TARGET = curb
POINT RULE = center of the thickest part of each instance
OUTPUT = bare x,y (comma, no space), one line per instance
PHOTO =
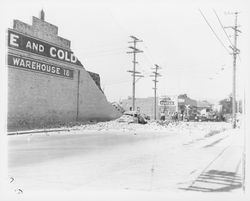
37,131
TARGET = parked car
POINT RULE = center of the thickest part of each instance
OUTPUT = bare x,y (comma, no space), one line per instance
211,116
202,117
191,117
138,117
145,116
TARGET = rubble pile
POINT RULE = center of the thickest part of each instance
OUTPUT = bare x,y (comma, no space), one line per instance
196,128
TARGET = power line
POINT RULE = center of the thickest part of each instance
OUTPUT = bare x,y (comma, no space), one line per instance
236,51
117,83
150,63
103,55
101,50
223,27
156,74
214,32
134,72
148,55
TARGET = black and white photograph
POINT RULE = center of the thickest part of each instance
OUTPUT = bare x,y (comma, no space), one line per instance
124,100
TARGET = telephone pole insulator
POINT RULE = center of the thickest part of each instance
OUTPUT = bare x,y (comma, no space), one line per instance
155,75
134,72
236,51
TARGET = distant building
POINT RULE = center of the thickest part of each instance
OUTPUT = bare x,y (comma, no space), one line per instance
164,104
145,105
204,105
167,105
186,104
217,107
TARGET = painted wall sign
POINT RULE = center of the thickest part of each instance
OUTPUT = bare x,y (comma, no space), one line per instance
25,43
33,65
164,102
168,104
167,100
181,100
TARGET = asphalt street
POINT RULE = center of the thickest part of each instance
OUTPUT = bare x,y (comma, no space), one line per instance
143,161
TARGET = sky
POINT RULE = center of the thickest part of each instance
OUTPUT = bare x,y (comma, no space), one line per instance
175,36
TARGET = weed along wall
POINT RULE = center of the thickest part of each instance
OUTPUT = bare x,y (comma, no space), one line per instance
47,84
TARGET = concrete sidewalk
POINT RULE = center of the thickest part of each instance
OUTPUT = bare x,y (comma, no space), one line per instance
224,173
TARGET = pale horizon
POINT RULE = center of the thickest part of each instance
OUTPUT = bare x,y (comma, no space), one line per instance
174,34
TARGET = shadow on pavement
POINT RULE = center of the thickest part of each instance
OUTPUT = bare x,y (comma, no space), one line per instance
216,181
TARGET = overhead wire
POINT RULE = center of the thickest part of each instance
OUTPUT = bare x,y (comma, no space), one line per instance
214,32
225,31
117,83
100,49
125,32
104,54
148,56
146,52
223,28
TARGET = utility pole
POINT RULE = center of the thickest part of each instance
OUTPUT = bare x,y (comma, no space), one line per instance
155,75
235,52
134,72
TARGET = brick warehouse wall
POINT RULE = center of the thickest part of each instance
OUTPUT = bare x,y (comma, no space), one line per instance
37,99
